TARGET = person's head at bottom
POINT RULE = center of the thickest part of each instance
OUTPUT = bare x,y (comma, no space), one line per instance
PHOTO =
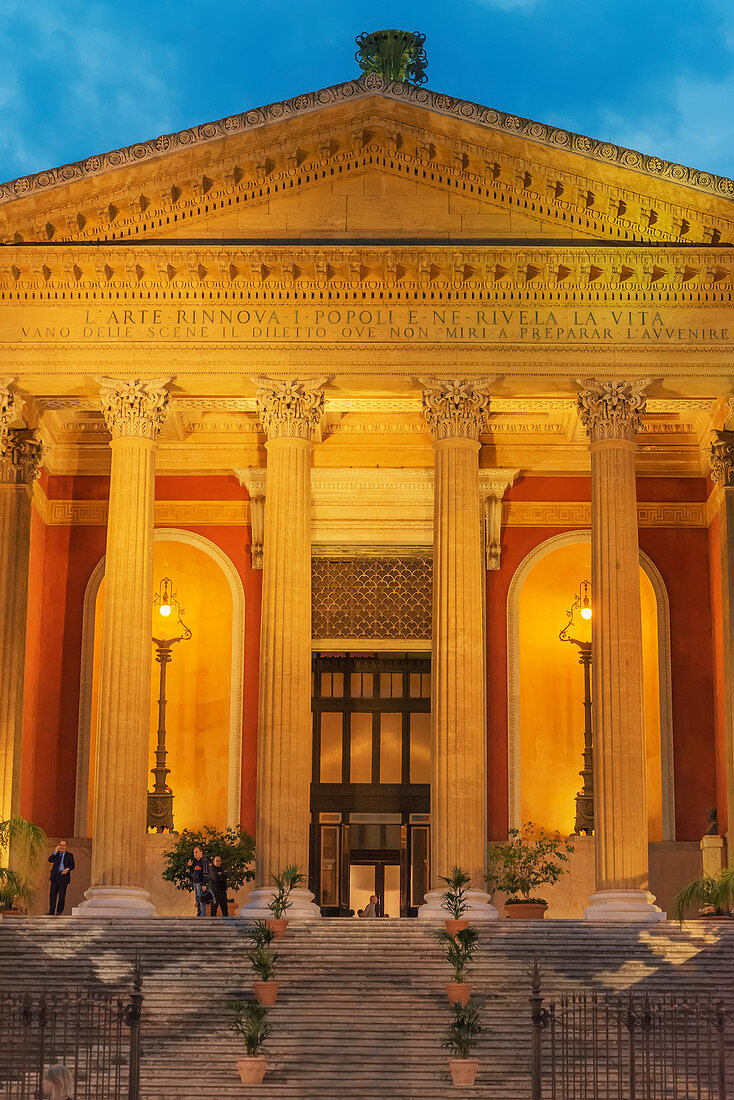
58,1083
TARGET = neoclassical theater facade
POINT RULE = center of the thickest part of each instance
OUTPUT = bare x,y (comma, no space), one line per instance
377,379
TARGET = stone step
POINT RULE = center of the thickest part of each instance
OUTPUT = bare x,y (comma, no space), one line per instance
361,1008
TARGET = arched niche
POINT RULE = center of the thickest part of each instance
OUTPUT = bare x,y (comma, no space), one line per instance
165,540
561,711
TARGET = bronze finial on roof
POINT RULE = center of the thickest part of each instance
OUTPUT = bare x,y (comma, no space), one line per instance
395,55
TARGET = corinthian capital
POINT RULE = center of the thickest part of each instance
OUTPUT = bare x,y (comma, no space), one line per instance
134,408
20,456
290,409
722,458
456,408
611,408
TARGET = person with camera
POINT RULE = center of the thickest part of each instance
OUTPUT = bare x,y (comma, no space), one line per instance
199,871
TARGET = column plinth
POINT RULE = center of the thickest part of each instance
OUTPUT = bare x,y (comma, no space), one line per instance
611,411
20,454
290,411
456,411
134,413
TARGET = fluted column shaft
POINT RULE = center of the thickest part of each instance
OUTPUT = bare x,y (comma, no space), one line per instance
284,725
456,412
722,471
124,675
289,412
612,412
19,457
134,412
458,782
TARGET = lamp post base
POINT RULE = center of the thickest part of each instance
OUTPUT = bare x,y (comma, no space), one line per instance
632,906
104,902
479,907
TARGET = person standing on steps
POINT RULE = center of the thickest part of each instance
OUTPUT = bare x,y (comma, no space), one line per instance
199,871
370,910
218,887
62,864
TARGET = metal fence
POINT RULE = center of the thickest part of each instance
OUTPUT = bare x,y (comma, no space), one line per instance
96,1035
627,1046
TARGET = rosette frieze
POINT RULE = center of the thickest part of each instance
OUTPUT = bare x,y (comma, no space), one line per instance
291,408
456,408
611,408
135,408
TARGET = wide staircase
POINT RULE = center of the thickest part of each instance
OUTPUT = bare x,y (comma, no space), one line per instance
362,1007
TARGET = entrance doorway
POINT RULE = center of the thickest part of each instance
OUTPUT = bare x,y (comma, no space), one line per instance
370,789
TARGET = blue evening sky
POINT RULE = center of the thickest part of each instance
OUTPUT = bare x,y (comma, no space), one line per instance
83,76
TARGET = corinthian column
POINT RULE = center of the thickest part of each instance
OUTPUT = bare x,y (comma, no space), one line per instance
20,454
456,412
611,412
134,413
722,472
289,411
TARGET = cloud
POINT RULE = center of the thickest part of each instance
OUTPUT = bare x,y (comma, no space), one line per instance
74,83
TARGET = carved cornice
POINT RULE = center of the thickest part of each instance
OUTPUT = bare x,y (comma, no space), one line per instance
21,454
722,458
611,408
134,408
353,91
453,269
456,408
291,409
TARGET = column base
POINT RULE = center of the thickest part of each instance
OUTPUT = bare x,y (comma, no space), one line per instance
303,906
115,901
480,907
633,906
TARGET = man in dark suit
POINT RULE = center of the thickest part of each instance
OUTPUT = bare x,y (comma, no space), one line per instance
62,864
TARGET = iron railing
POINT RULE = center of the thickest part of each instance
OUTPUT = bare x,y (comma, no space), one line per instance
627,1046
95,1034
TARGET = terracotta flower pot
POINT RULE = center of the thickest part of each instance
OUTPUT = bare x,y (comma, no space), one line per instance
454,926
463,1070
458,992
252,1070
266,992
279,926
525,910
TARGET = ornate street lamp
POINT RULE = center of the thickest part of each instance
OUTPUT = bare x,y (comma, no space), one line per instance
168,628
585,797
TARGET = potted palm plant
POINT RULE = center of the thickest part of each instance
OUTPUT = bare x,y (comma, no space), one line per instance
530,858
459,952
461,1038
454,898
284,883
250,1021
24,844
712,894
263,960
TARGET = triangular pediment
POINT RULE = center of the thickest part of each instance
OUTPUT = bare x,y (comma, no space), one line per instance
370,161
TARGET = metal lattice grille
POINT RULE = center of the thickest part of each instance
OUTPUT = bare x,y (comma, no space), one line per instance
372,597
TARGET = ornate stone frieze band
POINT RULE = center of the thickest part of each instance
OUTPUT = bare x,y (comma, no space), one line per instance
21,453
611,408
722,458
291,408
134,408
456,408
